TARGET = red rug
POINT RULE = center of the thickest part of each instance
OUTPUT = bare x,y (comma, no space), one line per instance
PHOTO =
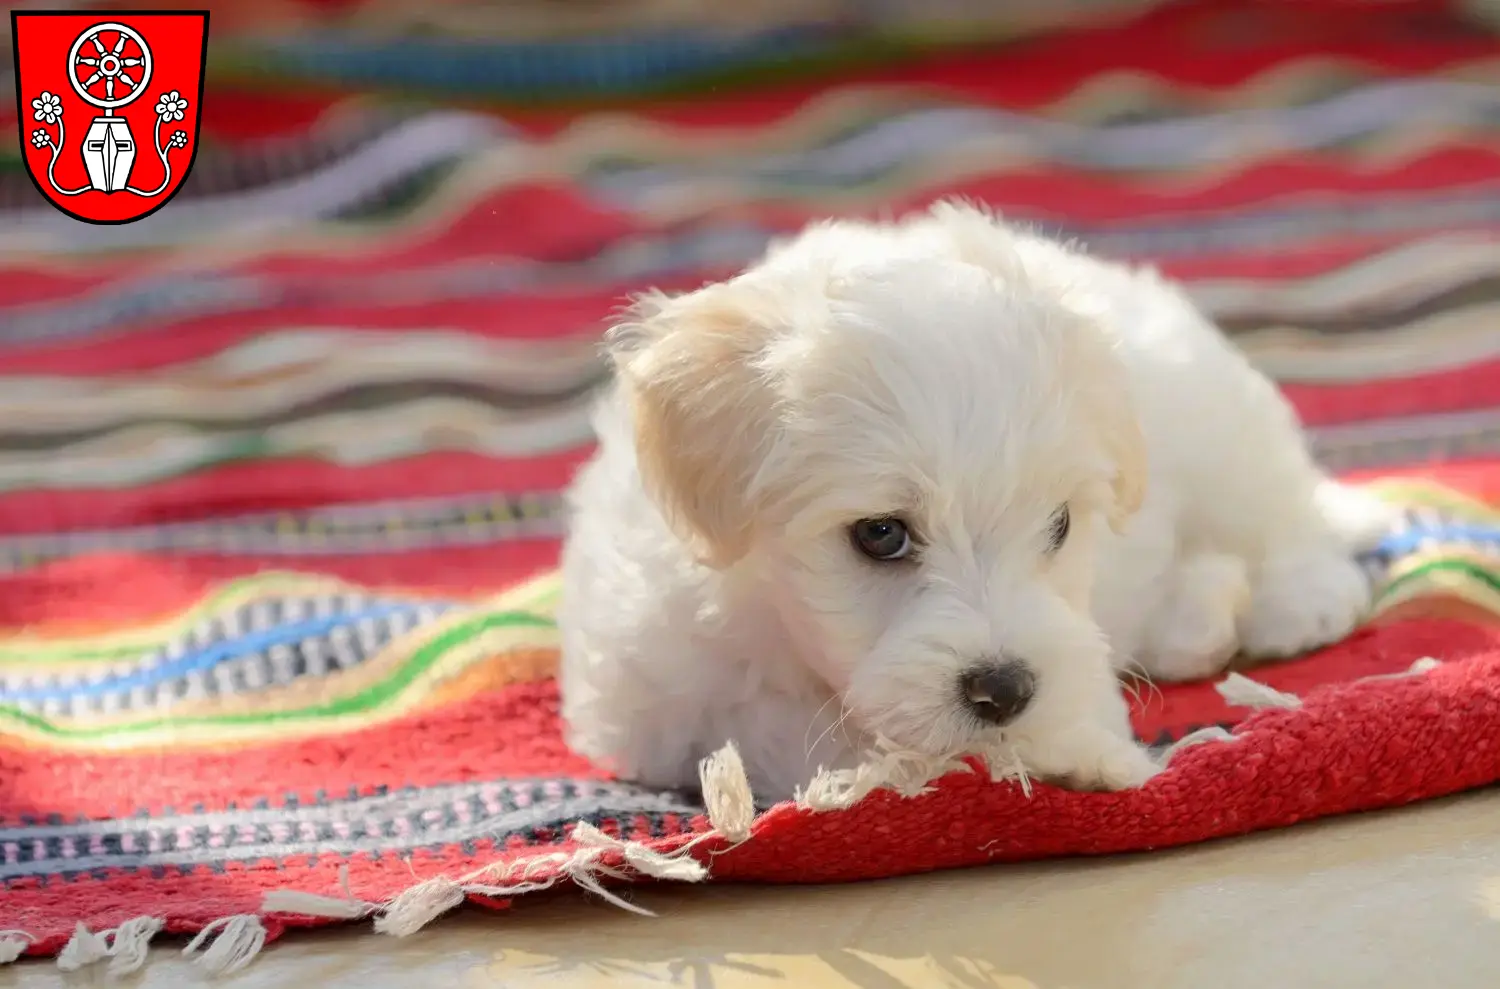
279,479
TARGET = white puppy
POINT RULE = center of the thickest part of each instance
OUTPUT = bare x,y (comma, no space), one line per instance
937,481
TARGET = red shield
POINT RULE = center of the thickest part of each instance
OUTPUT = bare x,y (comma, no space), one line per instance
109,104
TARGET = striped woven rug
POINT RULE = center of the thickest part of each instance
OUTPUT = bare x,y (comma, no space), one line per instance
280,465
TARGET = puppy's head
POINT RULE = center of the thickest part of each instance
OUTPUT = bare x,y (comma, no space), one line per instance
908,450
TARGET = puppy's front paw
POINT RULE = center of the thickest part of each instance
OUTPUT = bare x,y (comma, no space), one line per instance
1194,631
1303,600
1088,757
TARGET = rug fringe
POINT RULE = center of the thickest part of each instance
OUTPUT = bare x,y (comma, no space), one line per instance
1241,691
13,945
419,906
1212,733
908,773
130,943
83,948
346,907
675,866
726,793
731,812
1424,665
237,941
126,947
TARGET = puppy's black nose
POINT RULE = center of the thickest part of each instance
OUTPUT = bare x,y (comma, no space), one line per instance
998,692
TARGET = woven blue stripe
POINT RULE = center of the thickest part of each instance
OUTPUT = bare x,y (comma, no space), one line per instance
219,652
589,65
1400,543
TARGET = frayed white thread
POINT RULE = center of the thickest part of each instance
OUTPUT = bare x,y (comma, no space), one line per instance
315,905
1213,733
726,793
538,872
130,944
1241,691
588,879
419,906
1422,666
526,875
907,773
346,907
13,945
83,948
236,942
731,813
672,865
585,868
1004,764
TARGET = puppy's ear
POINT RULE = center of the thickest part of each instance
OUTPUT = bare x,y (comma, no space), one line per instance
703,409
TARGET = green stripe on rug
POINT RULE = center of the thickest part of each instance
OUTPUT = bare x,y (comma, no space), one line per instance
1483,575
371,698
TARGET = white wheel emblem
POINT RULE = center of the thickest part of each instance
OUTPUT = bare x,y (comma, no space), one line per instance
121,66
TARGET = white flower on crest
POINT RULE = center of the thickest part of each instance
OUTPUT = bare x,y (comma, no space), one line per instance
48,107
172,106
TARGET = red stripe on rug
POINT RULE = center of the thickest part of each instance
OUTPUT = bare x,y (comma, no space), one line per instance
453,744
537,220
1478,477
1461,389
166,343
282,485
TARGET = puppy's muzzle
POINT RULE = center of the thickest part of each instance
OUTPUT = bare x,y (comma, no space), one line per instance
998,691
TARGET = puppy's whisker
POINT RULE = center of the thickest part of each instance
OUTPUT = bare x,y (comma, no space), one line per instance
835,725
1151,685
1137,675
809,746
842,724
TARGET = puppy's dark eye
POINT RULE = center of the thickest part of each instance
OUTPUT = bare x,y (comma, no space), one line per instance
1057,529
882,539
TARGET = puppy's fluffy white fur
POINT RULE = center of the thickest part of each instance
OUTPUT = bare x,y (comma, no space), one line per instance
969,379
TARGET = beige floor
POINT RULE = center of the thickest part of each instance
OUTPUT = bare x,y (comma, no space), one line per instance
1406,899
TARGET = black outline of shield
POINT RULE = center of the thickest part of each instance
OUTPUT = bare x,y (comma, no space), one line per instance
15,51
